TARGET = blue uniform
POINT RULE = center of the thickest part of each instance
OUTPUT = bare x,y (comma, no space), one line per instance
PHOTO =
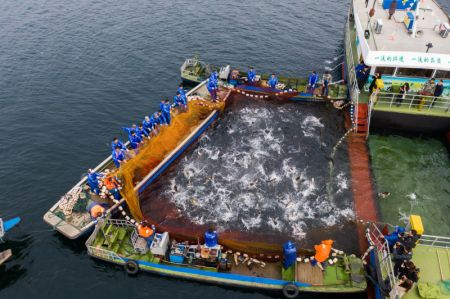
92,180
177,100
181,91
119,144
134,141
147,125
129,131
213,80
211,86
251,76
117,157
290,254
166,112
312,80
211,239
273,81
142,132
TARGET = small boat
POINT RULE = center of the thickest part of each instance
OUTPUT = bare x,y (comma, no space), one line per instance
195,71
7,225
5,255
117,241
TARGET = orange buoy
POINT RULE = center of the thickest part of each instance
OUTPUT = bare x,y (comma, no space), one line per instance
323,250
97,211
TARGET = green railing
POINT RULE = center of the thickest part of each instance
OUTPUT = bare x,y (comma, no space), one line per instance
416,103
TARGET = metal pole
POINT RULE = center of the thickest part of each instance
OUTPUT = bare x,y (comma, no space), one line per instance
416,19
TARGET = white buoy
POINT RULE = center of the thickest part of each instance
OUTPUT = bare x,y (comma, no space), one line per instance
123,213
127,218
120,208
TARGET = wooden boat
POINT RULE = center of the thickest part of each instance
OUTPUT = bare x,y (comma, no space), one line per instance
117,241
74,220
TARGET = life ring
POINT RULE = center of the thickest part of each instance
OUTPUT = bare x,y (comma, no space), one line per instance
131,267
290,290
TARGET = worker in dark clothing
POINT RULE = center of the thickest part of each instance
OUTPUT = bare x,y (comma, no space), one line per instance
438,91
373,83
400,255
409,239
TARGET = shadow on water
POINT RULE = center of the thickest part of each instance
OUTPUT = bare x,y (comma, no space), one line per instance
15,268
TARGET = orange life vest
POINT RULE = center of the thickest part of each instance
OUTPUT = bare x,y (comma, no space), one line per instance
323,250
144,231
95,210
110,183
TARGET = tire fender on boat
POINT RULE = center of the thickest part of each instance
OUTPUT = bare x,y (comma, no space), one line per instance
290,290
132,267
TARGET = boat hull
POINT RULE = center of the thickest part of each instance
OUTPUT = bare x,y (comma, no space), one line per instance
228,279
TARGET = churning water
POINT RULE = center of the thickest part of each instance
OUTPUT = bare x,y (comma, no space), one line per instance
264,167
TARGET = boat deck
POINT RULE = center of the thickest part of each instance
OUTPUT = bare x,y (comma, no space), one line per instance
431,267
394,35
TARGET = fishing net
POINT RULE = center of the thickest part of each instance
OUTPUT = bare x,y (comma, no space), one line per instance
156,149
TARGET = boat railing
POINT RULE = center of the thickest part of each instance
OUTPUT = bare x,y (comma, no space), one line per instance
435,241
353,83
101,252
375,238
413,102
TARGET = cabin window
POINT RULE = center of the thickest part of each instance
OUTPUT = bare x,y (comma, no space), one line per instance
385,71
442,75
407,72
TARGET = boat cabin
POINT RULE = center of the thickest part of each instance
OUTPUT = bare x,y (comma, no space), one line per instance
406,41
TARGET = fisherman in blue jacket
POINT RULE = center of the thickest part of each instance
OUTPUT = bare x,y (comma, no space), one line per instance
312,82
181,90
147,124
273,81
166,111
211,86
118,157
130,130
214,79
135,141
116,142
251,76
92,180
141,132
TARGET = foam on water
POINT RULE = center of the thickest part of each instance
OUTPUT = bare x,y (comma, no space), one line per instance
257,171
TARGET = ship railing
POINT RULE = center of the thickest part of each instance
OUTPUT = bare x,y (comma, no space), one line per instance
102,252
375,238
435,241
351,73
414,102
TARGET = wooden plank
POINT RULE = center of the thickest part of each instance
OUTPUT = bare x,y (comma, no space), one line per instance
307,273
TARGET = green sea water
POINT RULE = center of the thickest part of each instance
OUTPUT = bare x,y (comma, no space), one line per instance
416,171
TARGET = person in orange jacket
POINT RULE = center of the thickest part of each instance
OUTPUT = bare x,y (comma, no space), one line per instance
323,251
146,231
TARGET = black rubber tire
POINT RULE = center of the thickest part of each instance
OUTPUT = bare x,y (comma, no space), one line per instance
290,290
132,267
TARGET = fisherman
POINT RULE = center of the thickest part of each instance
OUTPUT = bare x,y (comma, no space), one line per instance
211,238
179,102
135,141
327,78
400,255
251,76
118,157
167,107
409,239
273,81
312,81
290,254
116,142
214,77
146,231
161,120
130,130
96,210
147,125
141,132
211,86
92,180
184,99
112,184
155,122
323,251
181,90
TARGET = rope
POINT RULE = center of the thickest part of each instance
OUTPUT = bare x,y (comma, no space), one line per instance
336,105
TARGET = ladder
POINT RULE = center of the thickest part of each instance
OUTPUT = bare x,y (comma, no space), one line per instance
362,119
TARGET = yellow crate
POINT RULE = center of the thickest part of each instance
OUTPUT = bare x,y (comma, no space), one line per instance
416,223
